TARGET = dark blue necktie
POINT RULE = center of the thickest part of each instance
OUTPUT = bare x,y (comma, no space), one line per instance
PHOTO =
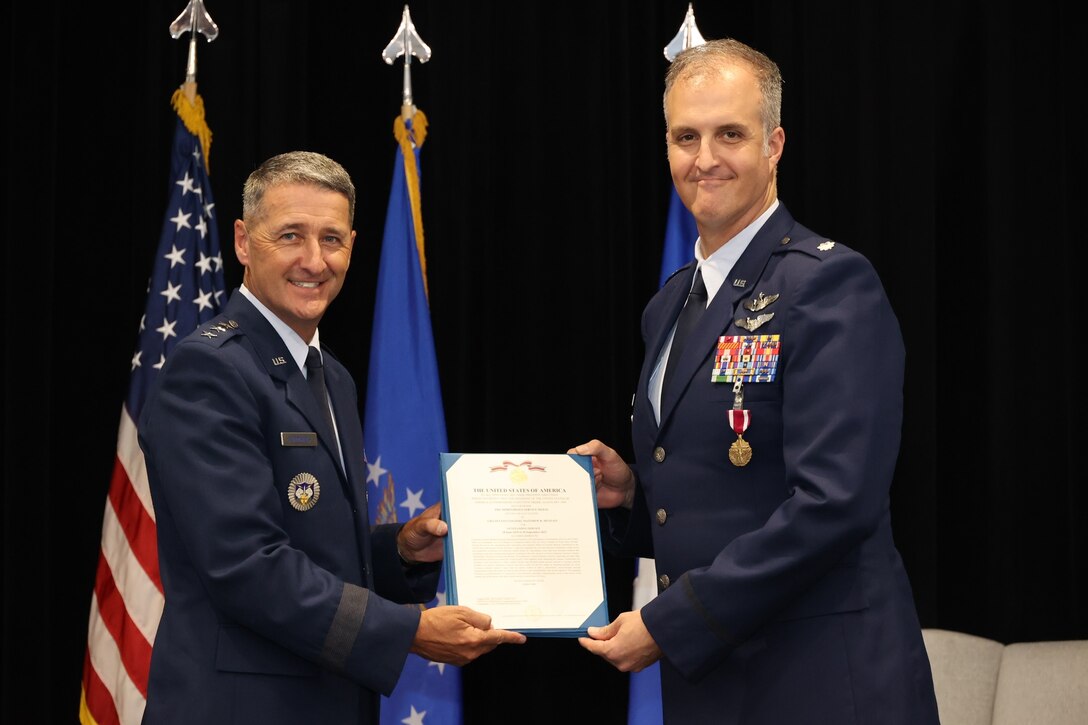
315,376
694,308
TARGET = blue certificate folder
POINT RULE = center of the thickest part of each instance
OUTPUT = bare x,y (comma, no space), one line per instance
524,542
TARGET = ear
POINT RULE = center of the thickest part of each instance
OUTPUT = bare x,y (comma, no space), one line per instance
241,242
351,245
776,144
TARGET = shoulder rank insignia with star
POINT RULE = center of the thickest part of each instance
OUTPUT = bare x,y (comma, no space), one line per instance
826,246
214,329
751,324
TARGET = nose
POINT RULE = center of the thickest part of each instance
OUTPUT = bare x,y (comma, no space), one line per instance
706,159
312,255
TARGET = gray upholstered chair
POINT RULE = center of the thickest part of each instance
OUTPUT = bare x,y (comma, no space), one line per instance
982,682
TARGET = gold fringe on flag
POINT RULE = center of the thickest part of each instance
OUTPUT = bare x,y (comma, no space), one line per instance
190,109
409,142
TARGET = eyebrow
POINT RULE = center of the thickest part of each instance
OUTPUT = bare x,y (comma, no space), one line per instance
734,126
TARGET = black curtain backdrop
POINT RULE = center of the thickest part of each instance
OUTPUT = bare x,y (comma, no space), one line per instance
937,138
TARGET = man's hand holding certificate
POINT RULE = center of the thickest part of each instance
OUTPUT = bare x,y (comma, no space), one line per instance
524,544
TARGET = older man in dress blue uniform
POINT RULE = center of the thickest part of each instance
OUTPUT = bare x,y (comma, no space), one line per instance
282,605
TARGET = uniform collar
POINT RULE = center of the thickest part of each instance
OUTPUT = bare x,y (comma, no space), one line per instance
294,342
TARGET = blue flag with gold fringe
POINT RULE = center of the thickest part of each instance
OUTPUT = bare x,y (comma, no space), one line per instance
680,236
404,424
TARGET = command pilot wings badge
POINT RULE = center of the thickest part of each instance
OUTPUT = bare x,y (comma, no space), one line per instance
751,324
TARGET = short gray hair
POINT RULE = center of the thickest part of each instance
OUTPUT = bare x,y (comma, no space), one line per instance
296,167
713,55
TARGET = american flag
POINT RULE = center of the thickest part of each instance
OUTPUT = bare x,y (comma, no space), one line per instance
186,288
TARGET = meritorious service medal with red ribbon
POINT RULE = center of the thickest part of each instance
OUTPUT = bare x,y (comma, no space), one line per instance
741,359
740,452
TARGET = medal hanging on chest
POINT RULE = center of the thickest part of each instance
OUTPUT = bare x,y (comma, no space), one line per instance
740,452
743,359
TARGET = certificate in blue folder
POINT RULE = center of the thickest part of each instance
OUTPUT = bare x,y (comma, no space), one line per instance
524,542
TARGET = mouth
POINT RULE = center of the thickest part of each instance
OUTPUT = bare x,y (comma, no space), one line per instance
306,285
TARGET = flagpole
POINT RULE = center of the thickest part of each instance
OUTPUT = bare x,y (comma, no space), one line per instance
196,20
406,43
410,128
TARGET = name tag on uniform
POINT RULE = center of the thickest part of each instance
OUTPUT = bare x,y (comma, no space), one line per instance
300,438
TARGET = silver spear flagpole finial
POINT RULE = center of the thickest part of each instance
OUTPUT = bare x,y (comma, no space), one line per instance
195,19
688,37
406,42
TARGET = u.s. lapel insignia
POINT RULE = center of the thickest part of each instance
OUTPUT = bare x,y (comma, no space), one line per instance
303,492
826,246
751,324
757,303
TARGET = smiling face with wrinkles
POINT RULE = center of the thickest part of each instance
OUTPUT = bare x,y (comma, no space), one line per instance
296,252
722,163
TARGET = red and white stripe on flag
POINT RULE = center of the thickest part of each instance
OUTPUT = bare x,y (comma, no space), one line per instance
128,597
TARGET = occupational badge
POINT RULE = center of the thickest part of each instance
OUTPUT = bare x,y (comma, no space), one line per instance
303,492
751,324
760,301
